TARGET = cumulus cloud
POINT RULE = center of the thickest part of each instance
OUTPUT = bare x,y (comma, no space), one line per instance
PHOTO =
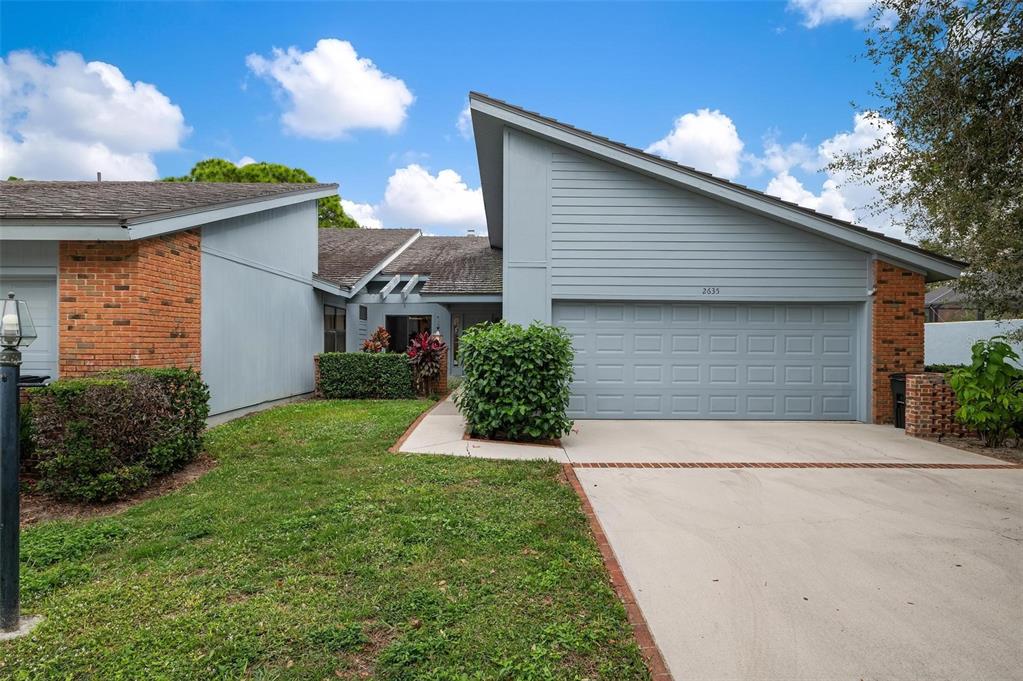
840,195
706,140
818,12
70,118
331,90
363,213
416,198
244,161
464,123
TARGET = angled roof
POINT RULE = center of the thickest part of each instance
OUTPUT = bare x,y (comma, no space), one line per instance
128,201
131,210
348,256
454,264
490,116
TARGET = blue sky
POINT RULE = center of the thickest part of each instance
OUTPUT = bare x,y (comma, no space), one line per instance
776,78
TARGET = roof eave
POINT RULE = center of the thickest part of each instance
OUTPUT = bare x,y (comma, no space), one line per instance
936,268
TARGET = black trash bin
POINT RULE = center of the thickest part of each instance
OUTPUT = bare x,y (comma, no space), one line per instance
899,399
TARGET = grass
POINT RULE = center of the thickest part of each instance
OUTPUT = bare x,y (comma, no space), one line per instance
311,553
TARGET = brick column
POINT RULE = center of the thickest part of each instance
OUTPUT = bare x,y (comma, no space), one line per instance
931,406
897,331
129,303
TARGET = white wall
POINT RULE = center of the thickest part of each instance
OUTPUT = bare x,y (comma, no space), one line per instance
950,342
262,321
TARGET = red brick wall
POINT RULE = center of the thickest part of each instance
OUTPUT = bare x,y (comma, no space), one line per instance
129,304
898,331
930,406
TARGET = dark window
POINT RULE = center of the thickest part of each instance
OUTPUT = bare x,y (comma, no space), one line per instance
404,327
333,329
363,313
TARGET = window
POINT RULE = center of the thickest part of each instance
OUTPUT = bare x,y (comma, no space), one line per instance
404,327
363,313
333,329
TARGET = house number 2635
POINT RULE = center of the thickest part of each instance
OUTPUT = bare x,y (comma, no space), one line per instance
711,290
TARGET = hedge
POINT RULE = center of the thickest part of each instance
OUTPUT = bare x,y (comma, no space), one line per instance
105,437
516,382
357,375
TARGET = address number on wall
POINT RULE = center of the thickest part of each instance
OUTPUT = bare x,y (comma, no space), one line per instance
711,290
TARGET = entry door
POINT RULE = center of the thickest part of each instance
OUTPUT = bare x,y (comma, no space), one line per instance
722,361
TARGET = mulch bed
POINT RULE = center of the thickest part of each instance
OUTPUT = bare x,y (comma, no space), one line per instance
541,443
976,446
40,507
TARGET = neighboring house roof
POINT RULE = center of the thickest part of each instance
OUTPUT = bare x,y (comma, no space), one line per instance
490,115
944,295
132,210
454,264
348,256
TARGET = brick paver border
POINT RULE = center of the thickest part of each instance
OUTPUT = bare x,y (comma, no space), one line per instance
792,464
640,629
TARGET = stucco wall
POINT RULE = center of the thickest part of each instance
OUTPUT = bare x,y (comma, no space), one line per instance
950,342
262,321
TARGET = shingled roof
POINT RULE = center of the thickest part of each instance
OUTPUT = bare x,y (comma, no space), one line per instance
347,255
455,264
129,202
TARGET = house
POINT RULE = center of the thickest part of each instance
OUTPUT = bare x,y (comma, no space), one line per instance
945,304
213,276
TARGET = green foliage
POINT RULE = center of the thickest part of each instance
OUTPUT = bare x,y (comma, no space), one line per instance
990,392
309,551
384,375
943,368
516,381
952,171
331,214
103,438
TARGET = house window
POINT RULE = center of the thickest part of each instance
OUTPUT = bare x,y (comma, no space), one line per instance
333,329
403,328
363,313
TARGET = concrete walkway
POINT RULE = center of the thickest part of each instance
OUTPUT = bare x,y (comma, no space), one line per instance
442,432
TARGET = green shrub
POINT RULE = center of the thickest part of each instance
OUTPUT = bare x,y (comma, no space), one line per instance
103,438
943,368
990,392
516,381
354,375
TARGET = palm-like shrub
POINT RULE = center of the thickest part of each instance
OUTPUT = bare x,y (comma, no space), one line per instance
425,354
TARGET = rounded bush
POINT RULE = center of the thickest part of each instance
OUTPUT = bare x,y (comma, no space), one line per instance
516,383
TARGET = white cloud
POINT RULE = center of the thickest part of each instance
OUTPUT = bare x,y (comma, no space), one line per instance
244,161
840,195
818,12
72,118
330,90
464,123
779,158
706,140
363,213
416,198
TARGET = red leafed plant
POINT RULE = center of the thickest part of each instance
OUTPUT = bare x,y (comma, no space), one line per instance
425,354
378,342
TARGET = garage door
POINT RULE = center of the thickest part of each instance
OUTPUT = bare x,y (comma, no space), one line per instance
697,361
40,358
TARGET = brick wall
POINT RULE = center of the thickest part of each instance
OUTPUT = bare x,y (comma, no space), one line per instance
134,303
931,406
898,331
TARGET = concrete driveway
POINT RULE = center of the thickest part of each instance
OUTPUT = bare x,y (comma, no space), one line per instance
822,573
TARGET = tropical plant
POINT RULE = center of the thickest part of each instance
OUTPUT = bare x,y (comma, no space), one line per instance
330,212
516,381
378,342
990,391
426,353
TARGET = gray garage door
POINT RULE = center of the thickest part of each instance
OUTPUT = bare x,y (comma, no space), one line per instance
40,358
698,361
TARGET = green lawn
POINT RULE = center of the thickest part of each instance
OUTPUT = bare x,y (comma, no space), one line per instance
312,553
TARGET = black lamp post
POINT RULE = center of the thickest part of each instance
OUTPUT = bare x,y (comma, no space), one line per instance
16,331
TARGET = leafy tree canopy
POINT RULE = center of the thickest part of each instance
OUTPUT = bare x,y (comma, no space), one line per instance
952,90
331,214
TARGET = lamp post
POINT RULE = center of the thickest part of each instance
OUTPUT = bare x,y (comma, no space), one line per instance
16,331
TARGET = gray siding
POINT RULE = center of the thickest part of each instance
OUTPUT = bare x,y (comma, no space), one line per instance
29,269
619,234
262,321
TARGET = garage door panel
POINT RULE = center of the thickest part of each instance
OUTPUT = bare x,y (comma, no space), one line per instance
39,358
768,361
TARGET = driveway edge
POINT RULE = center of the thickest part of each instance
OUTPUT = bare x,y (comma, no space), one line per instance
396,447
641,630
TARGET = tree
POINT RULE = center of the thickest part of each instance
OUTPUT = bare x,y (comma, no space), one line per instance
952,91
330,212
